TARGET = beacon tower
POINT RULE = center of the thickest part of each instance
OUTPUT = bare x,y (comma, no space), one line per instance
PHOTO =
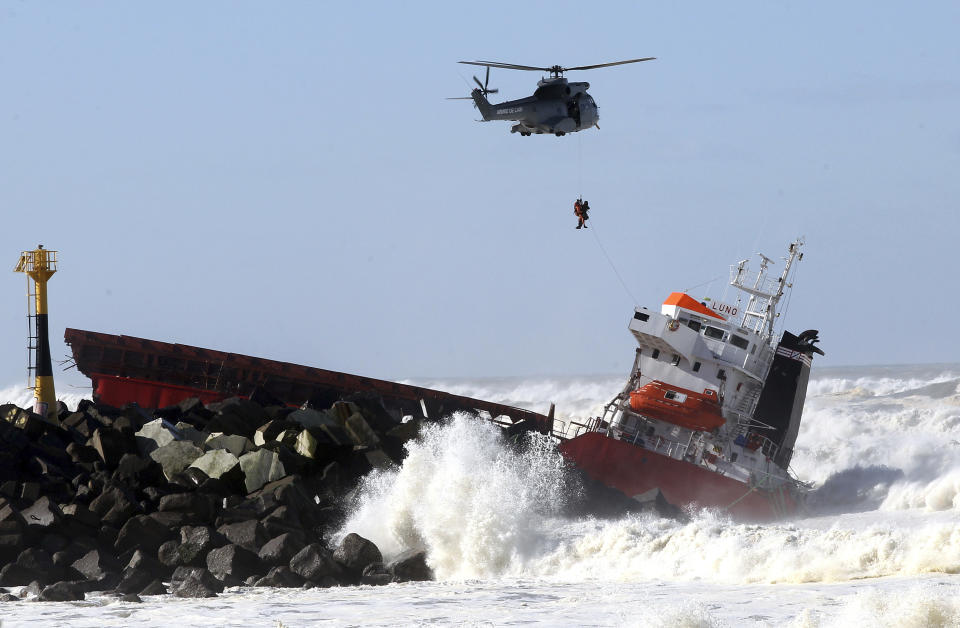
39,265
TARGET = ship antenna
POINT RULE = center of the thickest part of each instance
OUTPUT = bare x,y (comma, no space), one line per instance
761,311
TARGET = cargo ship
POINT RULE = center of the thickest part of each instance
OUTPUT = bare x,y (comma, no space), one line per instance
711,409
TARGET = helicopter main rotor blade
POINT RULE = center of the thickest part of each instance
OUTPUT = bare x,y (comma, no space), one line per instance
505,66
604,65
460,98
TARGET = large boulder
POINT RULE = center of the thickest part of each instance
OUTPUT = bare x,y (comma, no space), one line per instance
200,507
410,566
199,583
62,592
234,443
192,434
138,472
279,550
280,576
13,575
356,552
176,456
308,417
233,560
315,562
95,565
260,467
305,444
143,532
360,431
40,562
220,464
247,534
134,580
43,513
196,542
238,416
156,434
110,445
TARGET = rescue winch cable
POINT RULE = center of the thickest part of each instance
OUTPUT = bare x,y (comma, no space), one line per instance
579,166
612,265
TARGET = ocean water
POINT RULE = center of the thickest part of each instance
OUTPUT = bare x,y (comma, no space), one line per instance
878,546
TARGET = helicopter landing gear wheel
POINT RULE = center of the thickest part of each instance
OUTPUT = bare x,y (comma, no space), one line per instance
559,134
524,134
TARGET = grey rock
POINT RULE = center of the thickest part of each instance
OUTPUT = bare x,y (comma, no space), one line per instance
234,443
13,575
194,586
280,550
309,417
356,552
192,434
219,463
315,562
233,560
62,592
260,467
176,456
201,507
248,534
279,576
410,566
360,431
44,512
134,580
142,532
110,445
154,435
95,565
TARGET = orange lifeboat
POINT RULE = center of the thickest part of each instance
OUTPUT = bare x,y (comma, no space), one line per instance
695,411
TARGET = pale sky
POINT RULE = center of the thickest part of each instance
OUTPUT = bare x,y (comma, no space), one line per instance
287,180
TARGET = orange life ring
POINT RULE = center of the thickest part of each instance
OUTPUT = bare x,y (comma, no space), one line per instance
674,325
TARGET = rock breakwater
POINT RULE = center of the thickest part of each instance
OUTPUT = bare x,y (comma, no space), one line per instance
191,498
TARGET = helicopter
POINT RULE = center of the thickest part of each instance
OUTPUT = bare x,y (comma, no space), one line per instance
557,106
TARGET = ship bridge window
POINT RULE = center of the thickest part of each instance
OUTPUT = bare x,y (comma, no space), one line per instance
675,396
737,341
694,325
656,354
713,332
676,359
696,367
640,316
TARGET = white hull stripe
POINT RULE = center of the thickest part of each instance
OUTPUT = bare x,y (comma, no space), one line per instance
798,356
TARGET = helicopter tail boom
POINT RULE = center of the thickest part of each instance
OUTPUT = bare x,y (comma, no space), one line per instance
482,103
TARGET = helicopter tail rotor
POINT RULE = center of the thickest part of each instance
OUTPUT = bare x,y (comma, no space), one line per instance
483,86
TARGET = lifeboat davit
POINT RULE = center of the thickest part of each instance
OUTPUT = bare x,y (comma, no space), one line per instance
686,408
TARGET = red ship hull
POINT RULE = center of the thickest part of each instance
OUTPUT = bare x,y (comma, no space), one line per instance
634,471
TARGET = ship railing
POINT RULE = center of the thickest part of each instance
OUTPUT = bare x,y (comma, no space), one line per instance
657,444
571,429
763,444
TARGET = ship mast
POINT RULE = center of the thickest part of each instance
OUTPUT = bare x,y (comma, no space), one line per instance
761,311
